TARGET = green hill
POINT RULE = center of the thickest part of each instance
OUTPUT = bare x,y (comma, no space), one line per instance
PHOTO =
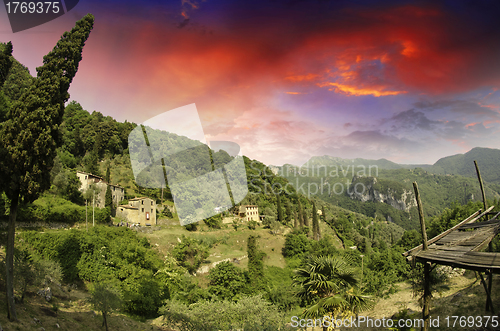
488,160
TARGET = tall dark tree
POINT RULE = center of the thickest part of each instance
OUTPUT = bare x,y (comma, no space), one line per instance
30,135
108,175
301,215
5,62
296,221
305,217
90,162
288,217
255,263
280,211
5,65
315,222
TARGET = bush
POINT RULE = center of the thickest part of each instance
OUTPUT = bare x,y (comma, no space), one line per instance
214,222
249,313
191,226
296,244
107,254
226,281
252,225
190,254
166,211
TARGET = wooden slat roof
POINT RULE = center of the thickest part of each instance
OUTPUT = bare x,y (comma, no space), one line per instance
460,246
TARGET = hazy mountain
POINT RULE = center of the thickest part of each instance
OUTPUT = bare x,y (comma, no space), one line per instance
488,160
330,161
460,164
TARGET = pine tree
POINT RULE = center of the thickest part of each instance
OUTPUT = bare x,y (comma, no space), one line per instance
280,211
30,135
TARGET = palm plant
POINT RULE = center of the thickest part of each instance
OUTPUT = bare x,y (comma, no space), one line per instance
331,284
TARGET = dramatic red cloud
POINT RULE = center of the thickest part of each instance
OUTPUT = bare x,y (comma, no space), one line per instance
391,51
227,69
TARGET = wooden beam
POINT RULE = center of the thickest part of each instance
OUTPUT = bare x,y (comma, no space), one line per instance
420,216
485,203
488,294
469,219
427,296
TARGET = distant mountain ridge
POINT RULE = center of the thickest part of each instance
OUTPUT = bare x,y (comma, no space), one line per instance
488,160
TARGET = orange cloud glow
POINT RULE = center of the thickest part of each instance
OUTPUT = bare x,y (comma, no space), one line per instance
352,90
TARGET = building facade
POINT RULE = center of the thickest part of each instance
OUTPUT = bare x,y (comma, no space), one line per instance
138,211
87,180
249,213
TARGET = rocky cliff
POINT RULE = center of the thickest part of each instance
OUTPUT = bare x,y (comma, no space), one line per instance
380,190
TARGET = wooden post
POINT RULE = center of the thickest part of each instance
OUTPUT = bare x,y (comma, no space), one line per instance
490,247
421,215
427,267
485,203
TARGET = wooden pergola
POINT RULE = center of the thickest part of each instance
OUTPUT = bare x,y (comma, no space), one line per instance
460,247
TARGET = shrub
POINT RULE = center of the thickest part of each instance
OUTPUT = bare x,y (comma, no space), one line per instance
190,254
226,281
296,244
249,313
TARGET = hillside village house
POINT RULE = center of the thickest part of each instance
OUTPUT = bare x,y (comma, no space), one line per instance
249,213
87,179
138,211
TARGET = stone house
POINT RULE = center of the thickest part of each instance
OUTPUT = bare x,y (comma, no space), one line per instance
249,213
87,179
138,211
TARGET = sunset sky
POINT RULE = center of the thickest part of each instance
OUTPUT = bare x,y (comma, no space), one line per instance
410,81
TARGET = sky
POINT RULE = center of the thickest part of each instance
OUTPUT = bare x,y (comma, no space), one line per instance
409,81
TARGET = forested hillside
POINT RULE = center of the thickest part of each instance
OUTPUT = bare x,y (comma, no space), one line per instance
315,216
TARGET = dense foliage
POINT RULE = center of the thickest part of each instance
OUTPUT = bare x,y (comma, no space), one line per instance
113,255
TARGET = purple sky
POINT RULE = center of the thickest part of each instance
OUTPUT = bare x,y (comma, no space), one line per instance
410,81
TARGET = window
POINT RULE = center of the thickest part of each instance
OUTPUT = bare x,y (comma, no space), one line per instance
142,201
143,210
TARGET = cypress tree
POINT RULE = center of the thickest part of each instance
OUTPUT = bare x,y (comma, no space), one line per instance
5,62
108,175
301,216
255,263
280,211
315,224
30,135
288,218
305,218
